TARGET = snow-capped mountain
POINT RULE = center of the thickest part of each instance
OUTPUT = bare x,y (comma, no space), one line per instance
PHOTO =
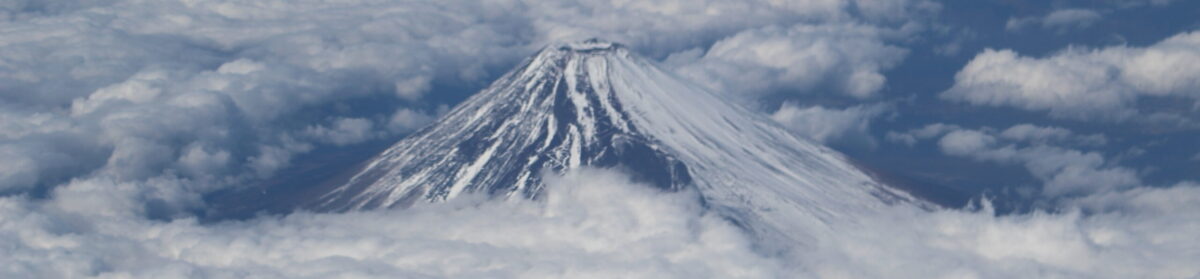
594,103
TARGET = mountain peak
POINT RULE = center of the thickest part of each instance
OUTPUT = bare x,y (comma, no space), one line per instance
591,45
595,104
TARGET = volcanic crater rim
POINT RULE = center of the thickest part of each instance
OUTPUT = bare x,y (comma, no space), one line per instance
591,45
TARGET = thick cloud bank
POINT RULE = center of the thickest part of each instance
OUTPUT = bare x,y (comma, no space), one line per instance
598,224
592,224
1143,233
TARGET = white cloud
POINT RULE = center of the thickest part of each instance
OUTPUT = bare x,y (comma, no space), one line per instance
17,171
1137,242
966,142
929,131
827,125
198,161
848,59
668,26
343,131
1046,134
1102,84
271,158
134,109
1060,20
231,88
406,120
599,224
1079,18
124,110
1030,132
1045,151
591,224
412,88
227,92
1139,3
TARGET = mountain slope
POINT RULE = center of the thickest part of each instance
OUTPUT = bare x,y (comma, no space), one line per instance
594,103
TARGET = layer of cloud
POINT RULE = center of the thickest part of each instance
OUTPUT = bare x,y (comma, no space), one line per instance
1046,152
219,94
1060,20
116,117
1104,84
1139,3
345,131
846,59
598,224
117,111
1144,232
591,224
831,125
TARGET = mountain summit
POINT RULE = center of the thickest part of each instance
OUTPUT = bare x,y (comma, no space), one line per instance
594,103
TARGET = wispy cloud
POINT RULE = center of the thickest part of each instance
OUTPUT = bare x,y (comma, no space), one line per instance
1059,20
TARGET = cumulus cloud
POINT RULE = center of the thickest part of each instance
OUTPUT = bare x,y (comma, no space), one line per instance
405,120
596,223
667,26
1104,84
343,131
1049,134
831,125
117,116
221,93
1044,151
1139,3
847,59
1060,20
591,224
1148,238
929,131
